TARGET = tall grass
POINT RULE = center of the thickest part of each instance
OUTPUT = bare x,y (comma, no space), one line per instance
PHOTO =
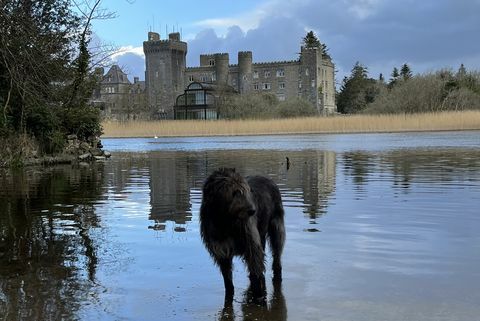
463,120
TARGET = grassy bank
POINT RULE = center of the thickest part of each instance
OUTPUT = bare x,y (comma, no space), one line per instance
465,120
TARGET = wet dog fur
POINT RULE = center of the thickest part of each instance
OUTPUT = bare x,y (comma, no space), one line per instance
237,216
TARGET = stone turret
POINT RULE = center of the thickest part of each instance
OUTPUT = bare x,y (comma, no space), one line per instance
165,62
221,68
310,60
245,71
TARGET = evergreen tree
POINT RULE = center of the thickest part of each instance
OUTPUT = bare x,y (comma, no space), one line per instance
394,77
405,72
325,53
311,40
40,41
357,91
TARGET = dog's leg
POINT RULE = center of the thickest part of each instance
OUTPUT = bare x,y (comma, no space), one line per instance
276,231
225,265
255,260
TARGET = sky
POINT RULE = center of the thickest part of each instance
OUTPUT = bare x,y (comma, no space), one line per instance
428,35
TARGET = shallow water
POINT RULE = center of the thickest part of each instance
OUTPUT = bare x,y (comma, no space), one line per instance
379,227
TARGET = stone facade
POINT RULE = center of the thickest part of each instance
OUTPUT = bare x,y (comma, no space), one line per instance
117,97
165,63
310,77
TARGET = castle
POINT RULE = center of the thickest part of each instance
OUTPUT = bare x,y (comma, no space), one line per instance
310,77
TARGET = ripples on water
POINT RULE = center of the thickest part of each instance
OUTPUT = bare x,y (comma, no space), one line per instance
378,226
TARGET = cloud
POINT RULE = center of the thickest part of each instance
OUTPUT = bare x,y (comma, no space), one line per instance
381,34
132,64
128,50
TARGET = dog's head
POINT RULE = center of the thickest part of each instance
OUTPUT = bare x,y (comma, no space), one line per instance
229,193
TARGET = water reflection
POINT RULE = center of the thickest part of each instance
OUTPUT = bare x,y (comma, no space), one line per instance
383,216
175,179
404,167
274,308
47,257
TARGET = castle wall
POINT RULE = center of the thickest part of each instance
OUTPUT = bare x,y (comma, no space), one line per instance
279,78
311,77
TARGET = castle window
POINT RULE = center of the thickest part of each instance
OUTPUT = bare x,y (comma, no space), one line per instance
267,86
156,74
190,78
203,78
214,77
211,62
306,72
313,83
280,73
281,85
266,74
255,86
281,97
255,75
234,82
299,84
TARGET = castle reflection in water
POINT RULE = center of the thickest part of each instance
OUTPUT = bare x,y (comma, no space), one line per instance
174,179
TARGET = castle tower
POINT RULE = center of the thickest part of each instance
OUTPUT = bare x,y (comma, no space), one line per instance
245,72
317,80
165,62
221,68
310,60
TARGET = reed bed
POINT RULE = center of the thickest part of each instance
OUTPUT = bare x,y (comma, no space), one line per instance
462,120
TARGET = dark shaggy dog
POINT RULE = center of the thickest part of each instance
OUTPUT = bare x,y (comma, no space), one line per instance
236,218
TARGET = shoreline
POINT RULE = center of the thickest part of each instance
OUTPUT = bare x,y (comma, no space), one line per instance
300,133
351,124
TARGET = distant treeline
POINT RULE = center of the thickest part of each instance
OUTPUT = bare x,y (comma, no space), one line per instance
444,90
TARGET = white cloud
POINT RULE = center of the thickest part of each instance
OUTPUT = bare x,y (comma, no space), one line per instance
381,34
245,21
362,9
128,50
252,19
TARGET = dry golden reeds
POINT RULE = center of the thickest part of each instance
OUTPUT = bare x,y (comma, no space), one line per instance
462,120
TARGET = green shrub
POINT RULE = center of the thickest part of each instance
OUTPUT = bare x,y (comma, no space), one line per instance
256,106
83,121
295,107
42,122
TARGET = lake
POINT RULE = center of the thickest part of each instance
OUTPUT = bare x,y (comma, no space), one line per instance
379,227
